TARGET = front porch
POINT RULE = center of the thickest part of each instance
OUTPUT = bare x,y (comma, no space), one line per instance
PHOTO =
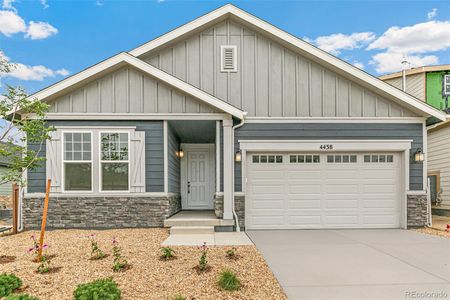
199,169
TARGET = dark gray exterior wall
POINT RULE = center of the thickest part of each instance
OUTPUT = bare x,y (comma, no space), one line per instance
154,153
334,131
173,160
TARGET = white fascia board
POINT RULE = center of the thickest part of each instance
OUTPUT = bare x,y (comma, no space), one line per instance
146,68
314,52
315,145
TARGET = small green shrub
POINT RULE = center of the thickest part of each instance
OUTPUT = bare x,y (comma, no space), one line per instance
178,297
231,253
228,281
203,261
96,252
167,253
44,266
20,297
105,289
9,283
120,263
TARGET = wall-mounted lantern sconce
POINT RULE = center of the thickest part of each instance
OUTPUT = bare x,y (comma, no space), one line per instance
419,156
180,153
238,156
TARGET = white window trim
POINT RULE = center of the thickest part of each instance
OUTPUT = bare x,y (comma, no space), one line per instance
400,146
222,63
446,84
100,161
63,160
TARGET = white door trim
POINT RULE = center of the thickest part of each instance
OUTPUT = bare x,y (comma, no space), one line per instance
402,146
211,172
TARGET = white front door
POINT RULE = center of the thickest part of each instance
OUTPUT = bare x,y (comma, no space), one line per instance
198,173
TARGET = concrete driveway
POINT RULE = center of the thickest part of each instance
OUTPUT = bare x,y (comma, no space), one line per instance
357,264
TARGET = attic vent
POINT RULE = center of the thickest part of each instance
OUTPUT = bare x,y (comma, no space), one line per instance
228,58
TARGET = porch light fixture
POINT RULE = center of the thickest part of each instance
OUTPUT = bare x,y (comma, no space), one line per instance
419,156
238,156
180,153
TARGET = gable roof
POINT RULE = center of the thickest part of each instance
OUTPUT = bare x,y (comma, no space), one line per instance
125,58
417,70
298,45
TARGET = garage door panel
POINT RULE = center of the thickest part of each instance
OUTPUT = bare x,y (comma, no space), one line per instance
268,189
335,188
324,194
305,220
306,188
304,203
337,203
304,174
341,174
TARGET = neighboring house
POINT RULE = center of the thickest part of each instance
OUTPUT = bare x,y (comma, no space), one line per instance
6,188
430,84
229,109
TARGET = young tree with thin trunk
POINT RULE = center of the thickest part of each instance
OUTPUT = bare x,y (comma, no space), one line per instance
16,131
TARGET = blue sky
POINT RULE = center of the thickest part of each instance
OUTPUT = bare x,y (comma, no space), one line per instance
49,40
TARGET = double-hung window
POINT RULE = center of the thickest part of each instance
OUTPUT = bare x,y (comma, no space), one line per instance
114,161
447,85
77,161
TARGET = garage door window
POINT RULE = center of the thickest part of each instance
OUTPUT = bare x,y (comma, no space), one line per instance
342,158
379,158
267,159
304,159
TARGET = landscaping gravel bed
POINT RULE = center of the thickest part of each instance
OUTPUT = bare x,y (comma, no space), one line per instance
433,231
148,278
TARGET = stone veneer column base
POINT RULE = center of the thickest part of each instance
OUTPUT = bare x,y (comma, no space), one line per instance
417,210
239,206
100,212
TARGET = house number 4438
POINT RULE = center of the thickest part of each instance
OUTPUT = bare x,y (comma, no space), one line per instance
326,147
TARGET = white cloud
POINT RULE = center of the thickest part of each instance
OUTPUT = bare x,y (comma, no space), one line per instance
11,23
359,65
27,72
7,4
44,4
432,14
40,30
99,3
419,38
388,62
334,43
415,42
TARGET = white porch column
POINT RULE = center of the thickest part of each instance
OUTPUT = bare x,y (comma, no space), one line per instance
228,146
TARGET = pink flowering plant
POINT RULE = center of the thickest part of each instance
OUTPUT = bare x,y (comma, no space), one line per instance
96,252
35,248
203,261
119,263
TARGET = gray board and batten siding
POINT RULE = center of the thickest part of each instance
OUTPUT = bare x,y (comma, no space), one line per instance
154,153
271,80
127,90
329,131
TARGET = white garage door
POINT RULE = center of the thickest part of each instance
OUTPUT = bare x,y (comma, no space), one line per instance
308,190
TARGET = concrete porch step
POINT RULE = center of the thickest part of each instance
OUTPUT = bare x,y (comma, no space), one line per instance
191,230
196,218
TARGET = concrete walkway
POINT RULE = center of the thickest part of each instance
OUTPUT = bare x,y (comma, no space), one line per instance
357,264
214,239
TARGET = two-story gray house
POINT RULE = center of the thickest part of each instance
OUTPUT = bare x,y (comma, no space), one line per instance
231,114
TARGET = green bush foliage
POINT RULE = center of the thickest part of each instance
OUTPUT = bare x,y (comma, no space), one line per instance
20,297
178,297
9,283
105,289
228,281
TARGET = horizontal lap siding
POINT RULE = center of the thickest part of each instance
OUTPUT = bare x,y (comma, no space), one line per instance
154,153
323,131
438,154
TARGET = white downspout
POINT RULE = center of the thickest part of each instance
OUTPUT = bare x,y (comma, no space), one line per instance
238,228
20,212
